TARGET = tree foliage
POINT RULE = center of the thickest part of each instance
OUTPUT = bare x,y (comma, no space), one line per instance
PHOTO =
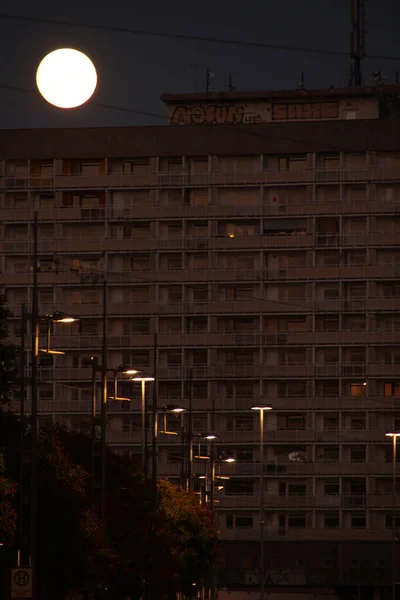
8,515
163,541
8,356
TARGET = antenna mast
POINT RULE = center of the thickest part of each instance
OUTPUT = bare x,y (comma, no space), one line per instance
357,43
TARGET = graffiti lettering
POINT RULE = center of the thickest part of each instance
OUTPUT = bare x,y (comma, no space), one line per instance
212,114
305,111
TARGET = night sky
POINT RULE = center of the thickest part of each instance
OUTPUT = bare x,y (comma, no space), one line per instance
134,70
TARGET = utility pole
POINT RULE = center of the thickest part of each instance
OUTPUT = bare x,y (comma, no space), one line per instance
95,366
34,411
357,41
190,432
22,436
103,495
155,417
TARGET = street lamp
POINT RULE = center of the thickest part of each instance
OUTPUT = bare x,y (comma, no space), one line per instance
121,370
95,367
394,436
170,408
261,408
143,380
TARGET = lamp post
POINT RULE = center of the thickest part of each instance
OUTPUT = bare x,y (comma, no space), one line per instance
190,433
394,436
261,408
22,436
95,367
143,380
169,408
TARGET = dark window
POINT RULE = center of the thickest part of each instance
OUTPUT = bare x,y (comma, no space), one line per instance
245,522
331,520
358,521
239,486
297,520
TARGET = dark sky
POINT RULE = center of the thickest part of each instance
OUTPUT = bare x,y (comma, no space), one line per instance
135,70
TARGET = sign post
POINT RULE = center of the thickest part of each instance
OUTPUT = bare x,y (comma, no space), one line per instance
21,583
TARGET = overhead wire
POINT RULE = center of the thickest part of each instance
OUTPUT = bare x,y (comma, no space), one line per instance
190,38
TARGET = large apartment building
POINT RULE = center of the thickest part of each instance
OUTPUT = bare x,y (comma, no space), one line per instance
258,235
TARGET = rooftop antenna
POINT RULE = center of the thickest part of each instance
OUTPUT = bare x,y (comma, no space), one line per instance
209,76
231,87
301,83
357,42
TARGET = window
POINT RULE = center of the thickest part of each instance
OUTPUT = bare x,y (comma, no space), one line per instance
244,455
357,422
389,520
88,297
330,388
200,293
291,421
327,323
292,389
331,356
331,422
239,486
356,257
331,520
297,520
139,359
358,389
244,424
241,521
330,258
331,454
229,521
175,293
331,488
293,226
140,262
354,323
328,562
88,327
297,489
174,357
174,262
358,521
331,162
357,454
244,522
240,423
140,325
392,389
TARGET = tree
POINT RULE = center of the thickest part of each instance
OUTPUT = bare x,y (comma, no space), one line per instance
165,540
8,515
162,540
70,549
193,532
8,356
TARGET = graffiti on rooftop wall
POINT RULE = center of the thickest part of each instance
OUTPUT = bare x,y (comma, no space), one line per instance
305,111
214,114
283,577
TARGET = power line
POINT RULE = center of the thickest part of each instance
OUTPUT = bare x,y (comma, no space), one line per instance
135,111
191,38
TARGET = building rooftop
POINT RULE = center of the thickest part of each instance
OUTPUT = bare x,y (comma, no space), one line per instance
247,139
266,95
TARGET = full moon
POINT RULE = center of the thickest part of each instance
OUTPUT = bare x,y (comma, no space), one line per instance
66,78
